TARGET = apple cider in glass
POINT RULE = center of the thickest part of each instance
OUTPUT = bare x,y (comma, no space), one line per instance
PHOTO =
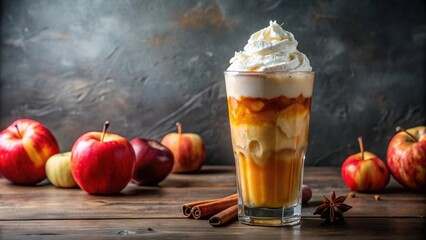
269,88
269,120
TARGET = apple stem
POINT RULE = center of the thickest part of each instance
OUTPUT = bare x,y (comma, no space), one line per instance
17,129
106,125
179,126
361,147
399,129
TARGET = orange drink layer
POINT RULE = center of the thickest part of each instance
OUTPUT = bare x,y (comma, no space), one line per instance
270,138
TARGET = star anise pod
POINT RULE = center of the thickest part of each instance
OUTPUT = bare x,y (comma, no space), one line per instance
332,209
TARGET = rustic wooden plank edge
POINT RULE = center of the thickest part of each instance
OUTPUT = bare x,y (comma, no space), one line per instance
183,218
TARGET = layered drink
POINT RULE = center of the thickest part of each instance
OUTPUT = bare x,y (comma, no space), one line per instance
269,87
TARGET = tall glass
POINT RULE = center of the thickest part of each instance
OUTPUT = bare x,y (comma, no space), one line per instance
269,119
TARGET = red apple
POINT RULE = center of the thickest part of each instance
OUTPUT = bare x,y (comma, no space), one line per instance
364,171
102,163
25,147
153,161
188,150
406,157
306,193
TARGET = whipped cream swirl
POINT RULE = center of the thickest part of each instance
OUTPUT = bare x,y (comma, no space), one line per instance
270,49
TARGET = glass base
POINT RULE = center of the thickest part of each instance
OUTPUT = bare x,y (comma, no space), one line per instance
270,216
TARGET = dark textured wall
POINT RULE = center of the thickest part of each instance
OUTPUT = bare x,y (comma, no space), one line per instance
144,65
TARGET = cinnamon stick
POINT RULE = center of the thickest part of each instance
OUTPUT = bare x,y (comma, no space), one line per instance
224,217
187,207
209,209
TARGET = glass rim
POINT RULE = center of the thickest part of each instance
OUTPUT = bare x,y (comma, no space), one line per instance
235,72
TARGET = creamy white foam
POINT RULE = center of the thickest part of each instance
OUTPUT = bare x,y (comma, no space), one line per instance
270,49
269,85
260,142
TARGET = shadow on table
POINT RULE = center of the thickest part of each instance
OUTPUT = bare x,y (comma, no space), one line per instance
210,170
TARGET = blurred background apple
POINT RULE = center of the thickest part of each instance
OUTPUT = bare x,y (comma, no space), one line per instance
188,150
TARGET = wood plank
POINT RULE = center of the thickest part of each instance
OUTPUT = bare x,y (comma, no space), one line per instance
46,202
353,228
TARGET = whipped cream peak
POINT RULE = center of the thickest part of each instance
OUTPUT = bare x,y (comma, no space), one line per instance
270,49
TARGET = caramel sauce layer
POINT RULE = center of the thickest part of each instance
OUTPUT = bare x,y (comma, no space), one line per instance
248,110
269,138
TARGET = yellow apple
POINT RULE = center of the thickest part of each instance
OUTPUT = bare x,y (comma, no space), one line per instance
188,150
58,170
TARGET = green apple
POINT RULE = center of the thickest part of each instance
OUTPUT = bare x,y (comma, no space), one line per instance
58,170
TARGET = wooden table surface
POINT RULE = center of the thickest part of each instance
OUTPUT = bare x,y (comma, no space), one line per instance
46,212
